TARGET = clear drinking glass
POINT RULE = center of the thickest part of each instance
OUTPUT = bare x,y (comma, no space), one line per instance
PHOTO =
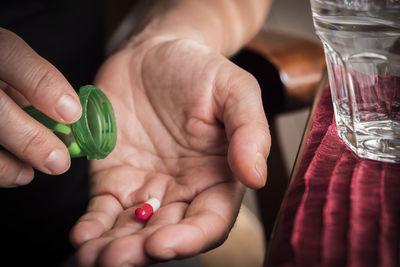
361,39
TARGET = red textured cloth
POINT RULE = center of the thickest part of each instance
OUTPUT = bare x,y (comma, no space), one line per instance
339,210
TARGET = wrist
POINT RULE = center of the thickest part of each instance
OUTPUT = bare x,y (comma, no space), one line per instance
153,35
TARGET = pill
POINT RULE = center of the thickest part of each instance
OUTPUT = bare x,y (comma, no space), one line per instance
74,149
147,209
61,128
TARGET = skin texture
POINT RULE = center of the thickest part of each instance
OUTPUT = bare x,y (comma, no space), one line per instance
26,78
189,131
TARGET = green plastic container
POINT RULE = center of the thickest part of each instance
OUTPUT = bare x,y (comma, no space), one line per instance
94,135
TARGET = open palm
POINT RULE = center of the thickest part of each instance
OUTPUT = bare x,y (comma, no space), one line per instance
191,131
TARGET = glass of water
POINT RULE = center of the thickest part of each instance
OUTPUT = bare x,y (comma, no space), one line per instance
361,39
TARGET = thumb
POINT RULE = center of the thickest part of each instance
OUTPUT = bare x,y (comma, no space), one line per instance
246,128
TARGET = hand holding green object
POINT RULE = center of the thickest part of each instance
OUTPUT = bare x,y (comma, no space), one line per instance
94,135
28,79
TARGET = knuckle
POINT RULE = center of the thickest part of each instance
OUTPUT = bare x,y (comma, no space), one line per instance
42,78
33,140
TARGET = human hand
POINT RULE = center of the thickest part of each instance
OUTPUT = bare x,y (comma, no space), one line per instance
191,127
26,78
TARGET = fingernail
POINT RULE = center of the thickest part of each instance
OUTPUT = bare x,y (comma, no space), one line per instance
260,167
68,108
166,254
25,176
127,265
57,162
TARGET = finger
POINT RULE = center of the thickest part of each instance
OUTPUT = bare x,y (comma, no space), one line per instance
29,140
36,79
207,222
13,172
87,254
16,96
125,224
124,243
129,247
100,216
246,127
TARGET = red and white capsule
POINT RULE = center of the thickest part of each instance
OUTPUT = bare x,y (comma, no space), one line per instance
147,209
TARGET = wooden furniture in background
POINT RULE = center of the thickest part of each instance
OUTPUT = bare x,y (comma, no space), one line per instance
300,63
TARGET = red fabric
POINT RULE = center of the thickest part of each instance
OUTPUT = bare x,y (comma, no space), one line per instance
339,210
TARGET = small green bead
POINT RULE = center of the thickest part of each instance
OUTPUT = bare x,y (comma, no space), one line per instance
74,149
61,128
